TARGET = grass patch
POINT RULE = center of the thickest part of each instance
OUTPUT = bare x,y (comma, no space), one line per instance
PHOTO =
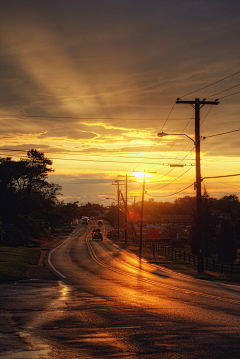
15,261
62,231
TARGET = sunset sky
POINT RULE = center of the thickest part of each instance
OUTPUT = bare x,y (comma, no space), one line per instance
91,83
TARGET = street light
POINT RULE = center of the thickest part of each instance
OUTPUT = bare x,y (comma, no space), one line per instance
162,134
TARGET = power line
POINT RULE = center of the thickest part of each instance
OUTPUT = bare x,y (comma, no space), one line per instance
223,91
169,195
178,163
167,184
82,154
105,161
168,116
220,176
92,160
162,130
219,134
229,186
86,118
174,144
145,157
206,114
235,93
235,73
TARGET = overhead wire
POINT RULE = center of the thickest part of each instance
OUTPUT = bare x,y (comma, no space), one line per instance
173,145
221,176
223,91
169,195
213,83
226,184
235,93
101,161
167,184
183,150
220,134
168,116
162,128
97,160
207,114
180,160
79,153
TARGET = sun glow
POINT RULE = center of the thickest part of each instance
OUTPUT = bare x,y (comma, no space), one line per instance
141,175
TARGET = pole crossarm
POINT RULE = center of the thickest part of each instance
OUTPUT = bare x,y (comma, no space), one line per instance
203,102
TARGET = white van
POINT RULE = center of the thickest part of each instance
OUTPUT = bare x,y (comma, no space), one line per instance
85,220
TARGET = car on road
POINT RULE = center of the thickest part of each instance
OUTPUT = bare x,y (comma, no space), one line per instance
85,221
97,234
100,223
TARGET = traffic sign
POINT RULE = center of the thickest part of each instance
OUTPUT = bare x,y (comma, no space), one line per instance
153,234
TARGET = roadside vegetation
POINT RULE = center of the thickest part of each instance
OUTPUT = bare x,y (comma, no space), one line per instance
15,262
30,209
31,214
176,223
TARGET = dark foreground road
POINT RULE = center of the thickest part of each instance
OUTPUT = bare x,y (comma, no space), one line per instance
103,303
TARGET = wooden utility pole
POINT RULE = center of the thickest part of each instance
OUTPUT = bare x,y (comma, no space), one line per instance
126,208
142,207
118,203
141,216
197,104
126,214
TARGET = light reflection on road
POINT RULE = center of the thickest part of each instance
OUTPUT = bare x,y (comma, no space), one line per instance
64,291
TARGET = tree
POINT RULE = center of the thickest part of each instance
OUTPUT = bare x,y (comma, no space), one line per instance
230,206
226,244
209,228
32,173
171,231
112,216
185,205
26,195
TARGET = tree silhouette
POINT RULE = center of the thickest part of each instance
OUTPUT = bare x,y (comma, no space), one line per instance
226,244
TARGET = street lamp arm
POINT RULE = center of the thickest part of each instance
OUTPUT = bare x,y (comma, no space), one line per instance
162,134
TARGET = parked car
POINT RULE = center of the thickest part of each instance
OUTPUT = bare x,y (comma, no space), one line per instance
97,234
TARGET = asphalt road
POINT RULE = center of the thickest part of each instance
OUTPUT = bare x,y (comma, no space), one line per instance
97,301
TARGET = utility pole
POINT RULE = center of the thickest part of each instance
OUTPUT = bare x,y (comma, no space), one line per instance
142,207
118,203
126,209
141,216
134,208
126,215
197,104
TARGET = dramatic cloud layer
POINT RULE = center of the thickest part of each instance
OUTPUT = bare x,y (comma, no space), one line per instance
94,81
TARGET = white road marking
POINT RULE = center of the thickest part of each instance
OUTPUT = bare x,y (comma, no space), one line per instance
50,254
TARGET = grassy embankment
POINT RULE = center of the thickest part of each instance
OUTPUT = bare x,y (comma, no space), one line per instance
176,265
15,261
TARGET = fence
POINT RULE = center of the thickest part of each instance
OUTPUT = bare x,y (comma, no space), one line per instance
209,263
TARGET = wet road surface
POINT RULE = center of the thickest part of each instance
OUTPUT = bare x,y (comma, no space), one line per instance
100,302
